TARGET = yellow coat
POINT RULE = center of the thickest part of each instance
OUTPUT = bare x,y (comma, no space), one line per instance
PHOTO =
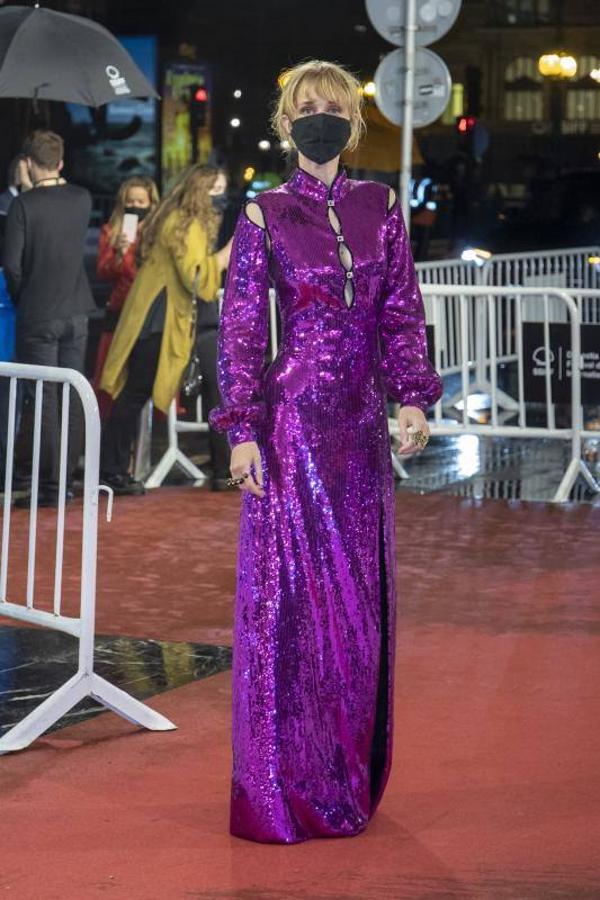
164,268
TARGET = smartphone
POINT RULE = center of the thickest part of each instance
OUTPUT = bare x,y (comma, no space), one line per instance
130,226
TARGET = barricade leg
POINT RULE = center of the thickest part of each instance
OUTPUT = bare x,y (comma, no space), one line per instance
127,706
46,714
142,463
575,468
71,693
172,456
399,468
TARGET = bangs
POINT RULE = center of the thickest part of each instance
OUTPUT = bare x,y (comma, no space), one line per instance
317,78
326,84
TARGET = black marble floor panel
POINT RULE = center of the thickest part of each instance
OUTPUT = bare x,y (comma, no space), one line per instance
35,662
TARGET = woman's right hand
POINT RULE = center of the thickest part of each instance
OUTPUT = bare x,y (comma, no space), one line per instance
244,458
122,244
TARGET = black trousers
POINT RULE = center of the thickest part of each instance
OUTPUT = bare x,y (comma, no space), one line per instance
120,430
62,343
218,444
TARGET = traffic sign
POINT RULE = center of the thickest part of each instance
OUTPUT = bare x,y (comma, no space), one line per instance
434,19
432,85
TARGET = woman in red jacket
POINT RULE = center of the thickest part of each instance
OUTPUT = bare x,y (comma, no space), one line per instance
117,261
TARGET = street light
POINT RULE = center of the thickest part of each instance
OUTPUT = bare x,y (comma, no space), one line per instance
369,89
557,68
557,65
235,123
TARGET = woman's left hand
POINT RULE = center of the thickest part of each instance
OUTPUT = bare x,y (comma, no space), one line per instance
414,418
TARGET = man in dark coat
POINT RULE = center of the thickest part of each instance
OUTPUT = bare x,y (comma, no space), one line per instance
43,263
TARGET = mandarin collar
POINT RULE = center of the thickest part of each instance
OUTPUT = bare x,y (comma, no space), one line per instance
302,182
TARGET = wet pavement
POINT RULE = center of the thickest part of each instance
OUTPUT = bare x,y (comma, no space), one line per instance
497,468
35,662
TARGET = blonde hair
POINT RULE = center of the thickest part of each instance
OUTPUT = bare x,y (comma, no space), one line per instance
191,199
328,80
116,219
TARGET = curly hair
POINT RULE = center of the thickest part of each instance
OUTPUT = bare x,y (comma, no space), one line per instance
116,219
190,198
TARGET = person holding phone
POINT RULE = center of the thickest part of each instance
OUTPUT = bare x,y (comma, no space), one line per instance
117,263
152,342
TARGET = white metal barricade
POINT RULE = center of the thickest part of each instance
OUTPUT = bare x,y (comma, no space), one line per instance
85,683
449,271
487,299
575,269
563,268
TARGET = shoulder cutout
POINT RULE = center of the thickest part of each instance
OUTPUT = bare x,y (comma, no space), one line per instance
391,199
255,214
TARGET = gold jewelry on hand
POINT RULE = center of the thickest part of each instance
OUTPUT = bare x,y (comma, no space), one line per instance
420,439
234,482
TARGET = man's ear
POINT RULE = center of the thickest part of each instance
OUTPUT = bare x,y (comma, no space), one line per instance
60,165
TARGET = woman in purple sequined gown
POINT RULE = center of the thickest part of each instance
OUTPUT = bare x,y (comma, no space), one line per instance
315,607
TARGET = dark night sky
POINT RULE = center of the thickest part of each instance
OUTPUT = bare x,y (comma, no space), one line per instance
248,43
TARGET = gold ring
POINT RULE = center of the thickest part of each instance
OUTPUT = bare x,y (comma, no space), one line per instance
234,482
420,439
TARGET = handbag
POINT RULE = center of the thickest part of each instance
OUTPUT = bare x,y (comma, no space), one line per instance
191,384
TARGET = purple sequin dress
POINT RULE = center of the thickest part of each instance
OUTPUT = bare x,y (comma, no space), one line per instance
315,608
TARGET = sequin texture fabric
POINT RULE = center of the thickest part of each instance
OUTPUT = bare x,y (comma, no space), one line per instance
315,606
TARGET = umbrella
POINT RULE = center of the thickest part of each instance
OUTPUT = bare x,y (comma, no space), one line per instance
48,55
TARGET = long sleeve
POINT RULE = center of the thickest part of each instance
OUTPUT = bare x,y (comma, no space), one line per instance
109,264
243,335
14,246
196,256
407,374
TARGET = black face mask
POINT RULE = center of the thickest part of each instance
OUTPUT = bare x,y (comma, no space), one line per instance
219,202
321,137
140,211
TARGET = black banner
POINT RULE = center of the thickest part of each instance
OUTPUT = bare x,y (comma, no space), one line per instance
560,362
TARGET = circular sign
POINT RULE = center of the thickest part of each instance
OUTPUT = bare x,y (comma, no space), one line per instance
434,19
431,91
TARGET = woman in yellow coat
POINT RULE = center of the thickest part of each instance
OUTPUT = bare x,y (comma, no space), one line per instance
152,343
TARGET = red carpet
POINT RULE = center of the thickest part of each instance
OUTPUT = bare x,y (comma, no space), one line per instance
495,791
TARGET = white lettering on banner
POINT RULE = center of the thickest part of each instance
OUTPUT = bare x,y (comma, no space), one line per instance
117,82
541,359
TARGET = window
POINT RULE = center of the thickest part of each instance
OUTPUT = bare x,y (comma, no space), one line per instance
583,93
522,12
523,98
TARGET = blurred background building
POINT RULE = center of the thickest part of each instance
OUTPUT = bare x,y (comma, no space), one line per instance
514,126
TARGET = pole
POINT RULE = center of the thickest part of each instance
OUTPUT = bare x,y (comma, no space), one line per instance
407,119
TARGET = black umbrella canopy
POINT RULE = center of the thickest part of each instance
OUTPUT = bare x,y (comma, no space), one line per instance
49,55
